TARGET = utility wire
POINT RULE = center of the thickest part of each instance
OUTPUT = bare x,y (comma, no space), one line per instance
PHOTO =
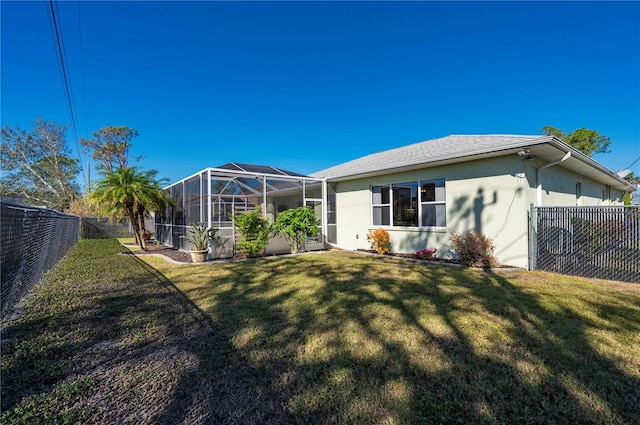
632,164
82,73
65,80
84,93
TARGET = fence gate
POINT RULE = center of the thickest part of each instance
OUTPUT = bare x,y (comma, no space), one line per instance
601,242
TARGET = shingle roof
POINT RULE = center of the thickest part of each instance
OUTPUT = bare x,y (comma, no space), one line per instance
429,151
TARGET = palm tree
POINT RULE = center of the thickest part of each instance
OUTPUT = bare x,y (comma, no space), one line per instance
129,192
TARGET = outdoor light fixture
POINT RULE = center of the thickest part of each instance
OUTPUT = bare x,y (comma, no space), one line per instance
526,154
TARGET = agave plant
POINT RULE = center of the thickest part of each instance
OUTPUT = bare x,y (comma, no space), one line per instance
200,236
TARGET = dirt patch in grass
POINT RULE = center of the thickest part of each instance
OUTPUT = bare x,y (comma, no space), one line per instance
168,251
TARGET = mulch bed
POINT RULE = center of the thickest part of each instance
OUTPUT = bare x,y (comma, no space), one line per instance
412,257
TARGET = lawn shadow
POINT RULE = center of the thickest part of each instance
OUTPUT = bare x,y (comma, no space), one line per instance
151,355
221,387
342,338
547,371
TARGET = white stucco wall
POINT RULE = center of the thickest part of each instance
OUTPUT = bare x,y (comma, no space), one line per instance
488,196
559,189
491,196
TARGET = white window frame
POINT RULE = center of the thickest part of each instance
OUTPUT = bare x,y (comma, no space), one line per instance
435,202
379,205
420,203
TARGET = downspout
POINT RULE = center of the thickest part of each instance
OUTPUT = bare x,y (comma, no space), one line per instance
264,196
539,176
324,211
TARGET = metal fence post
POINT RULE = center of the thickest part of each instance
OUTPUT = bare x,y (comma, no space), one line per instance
533,252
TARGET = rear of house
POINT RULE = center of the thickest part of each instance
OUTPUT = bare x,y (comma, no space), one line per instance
421,194
426,192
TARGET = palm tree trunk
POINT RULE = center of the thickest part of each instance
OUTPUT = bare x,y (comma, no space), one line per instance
136,230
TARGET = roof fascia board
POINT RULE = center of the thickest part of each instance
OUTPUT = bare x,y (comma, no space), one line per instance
576,154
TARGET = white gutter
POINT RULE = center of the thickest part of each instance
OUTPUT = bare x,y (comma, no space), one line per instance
539,176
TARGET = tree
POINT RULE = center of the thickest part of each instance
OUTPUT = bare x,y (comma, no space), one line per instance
295,224
110,147
37,165
129,192
630,197
83,207
589,142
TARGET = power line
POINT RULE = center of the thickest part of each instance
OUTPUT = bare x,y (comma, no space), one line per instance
632,164
82,73
65,80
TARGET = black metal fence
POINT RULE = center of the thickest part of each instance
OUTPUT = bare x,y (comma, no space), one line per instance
601,242
33,241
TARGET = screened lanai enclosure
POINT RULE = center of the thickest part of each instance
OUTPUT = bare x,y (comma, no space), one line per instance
214,195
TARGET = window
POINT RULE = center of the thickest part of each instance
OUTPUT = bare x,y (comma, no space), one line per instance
432,200
405,204
381,201
578,193
409,204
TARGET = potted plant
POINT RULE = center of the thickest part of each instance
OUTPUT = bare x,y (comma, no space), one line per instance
201,237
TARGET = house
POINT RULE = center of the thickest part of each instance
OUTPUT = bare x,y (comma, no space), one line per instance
421,193
425,192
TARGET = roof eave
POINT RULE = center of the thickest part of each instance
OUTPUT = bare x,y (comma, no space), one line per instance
619,182
603,174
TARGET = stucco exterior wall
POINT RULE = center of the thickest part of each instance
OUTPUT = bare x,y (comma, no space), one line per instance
492,196
559,188
488,196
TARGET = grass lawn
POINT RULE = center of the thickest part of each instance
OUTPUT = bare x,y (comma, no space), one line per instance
322,338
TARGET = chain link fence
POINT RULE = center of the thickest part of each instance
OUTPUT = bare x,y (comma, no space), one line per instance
103,228
33,241
600,242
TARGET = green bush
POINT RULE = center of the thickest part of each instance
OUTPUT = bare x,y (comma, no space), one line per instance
474,249
295,224
254,231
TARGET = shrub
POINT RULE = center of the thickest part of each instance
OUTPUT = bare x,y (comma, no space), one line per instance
254,232
474,249
425,254
295,224
379,240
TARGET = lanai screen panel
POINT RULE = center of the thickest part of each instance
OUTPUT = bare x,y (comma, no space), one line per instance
215,195
193,200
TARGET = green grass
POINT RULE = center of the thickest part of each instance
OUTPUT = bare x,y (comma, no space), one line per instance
130,241
327,338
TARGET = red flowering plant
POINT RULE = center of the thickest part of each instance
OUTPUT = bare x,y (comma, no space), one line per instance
425,254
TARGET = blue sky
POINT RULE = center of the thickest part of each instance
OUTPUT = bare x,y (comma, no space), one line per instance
307,85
